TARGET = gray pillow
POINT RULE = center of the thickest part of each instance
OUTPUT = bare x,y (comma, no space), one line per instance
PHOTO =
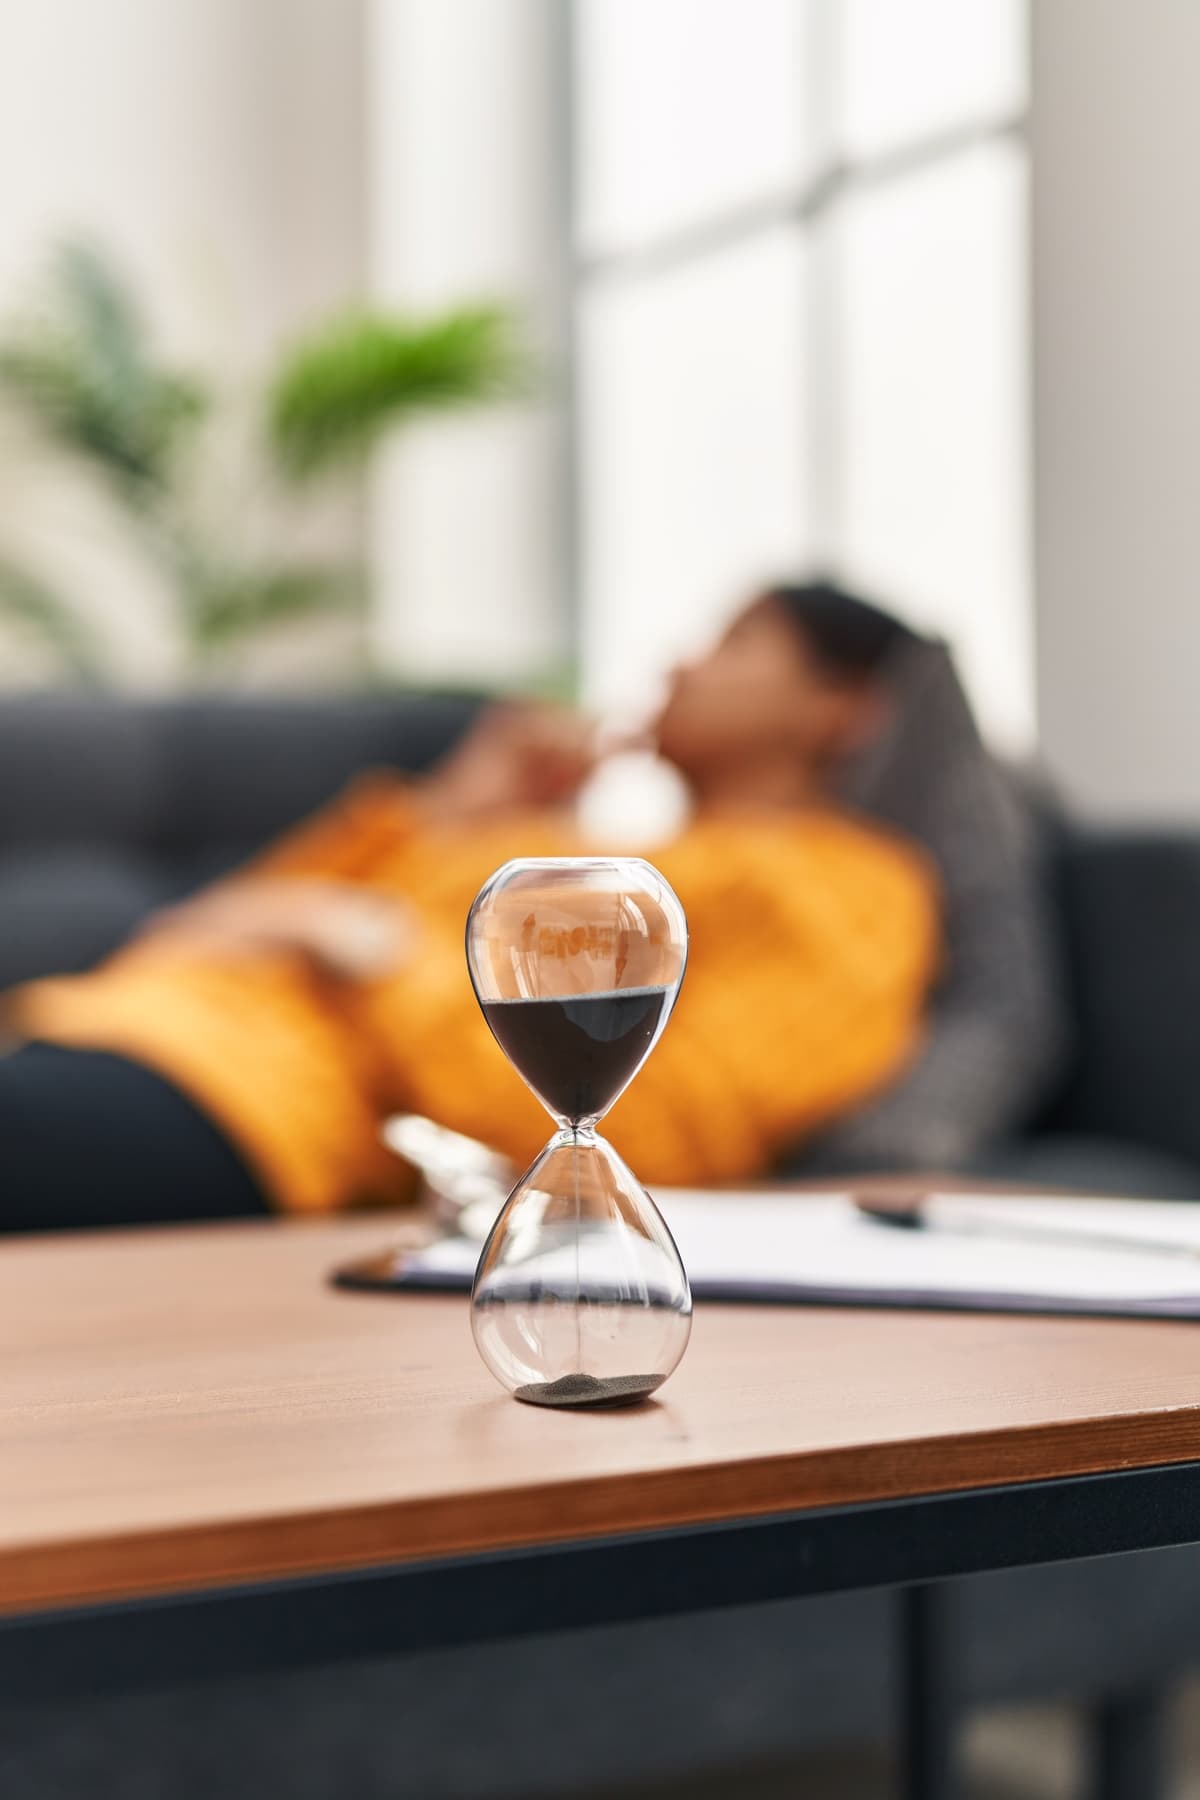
996,1031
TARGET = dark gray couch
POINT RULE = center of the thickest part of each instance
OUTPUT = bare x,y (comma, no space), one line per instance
108,810
111,808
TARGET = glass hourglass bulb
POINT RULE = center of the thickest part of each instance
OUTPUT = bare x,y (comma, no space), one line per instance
580,1297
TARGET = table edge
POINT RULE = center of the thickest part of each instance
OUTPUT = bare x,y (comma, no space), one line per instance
342,1539
415,1607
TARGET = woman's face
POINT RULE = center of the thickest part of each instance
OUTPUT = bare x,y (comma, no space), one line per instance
758,694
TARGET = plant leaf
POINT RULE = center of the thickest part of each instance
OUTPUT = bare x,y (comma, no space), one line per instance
337,391
99,311
227,610
83,368
49,618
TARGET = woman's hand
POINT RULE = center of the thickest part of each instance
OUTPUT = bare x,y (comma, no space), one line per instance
340,929
516,755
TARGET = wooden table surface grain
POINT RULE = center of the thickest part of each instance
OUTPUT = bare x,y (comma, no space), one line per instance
196,1407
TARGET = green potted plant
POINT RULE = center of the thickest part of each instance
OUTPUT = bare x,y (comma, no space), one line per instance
84,372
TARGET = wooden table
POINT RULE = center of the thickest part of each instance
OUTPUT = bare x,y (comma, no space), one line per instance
210,1459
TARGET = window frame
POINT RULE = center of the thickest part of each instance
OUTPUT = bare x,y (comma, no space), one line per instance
810,206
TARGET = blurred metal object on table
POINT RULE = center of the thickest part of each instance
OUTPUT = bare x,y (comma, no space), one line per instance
464,1183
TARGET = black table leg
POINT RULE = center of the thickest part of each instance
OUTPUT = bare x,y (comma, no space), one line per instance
1127,1748
928,1715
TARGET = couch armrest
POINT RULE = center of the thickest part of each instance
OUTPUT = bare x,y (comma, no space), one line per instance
1130,905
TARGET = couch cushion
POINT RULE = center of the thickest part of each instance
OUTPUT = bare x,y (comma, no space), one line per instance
74,769
61,908
234,772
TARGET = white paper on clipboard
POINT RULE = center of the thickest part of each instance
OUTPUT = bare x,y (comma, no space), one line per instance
777,1245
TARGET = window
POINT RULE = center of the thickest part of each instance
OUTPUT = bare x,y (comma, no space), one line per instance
798,291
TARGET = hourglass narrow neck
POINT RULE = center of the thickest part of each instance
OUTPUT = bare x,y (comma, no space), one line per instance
581,1135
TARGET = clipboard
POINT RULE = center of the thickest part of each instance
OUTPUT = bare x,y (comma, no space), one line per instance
1131,1259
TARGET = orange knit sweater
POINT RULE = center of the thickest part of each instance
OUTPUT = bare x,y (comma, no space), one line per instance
814,938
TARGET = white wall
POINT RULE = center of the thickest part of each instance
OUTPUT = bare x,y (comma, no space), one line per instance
214,148
1116,239
463,204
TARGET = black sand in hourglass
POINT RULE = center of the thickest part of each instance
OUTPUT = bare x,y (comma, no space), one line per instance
578,1052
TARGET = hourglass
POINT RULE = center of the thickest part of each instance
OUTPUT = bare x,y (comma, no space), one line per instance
580,1298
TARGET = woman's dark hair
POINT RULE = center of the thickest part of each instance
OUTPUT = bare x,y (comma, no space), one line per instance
851,637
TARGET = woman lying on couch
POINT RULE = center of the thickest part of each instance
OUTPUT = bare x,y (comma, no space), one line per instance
868,970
